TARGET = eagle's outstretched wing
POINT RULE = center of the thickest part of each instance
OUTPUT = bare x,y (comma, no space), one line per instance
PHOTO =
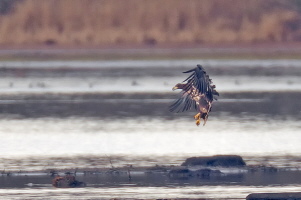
184,103
197,86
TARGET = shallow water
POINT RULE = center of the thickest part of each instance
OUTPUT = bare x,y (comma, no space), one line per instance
74,114
146,75
164,141
130,192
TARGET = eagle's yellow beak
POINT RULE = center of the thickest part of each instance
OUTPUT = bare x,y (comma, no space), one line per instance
174,88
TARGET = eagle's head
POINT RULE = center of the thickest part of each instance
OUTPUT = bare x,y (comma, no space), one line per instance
179,86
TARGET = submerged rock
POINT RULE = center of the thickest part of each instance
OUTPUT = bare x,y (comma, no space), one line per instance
180,172
67,181
213,161
201,173
206,173
275,196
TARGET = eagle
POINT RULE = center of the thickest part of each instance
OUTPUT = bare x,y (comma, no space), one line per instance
198,92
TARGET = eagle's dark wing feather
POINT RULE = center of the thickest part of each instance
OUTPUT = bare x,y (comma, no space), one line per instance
203,83
184,103
198,82
198,79
177,105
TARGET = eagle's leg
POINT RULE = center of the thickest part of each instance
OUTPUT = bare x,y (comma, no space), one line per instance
205,118
197,117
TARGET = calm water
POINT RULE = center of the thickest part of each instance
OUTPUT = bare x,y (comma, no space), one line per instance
94,114
126,192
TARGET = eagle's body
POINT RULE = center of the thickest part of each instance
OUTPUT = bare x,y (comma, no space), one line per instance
197,92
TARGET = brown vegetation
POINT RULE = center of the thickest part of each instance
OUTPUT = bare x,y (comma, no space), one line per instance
66,181
97,22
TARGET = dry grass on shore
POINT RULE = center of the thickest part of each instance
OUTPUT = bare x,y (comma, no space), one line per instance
102,22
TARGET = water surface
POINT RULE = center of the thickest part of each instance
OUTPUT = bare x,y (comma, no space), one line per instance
95,114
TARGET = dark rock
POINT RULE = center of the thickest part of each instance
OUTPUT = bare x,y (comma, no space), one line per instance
267,169
201,173
180,173
270,169
213,161
67,181
52,172
206,173
275,196
157,168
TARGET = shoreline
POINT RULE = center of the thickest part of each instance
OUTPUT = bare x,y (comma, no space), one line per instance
251,51
158,176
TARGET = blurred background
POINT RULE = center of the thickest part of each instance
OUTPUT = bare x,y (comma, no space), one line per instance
87,84
117,22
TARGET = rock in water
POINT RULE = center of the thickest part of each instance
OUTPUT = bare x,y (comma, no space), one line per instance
275,196
218,160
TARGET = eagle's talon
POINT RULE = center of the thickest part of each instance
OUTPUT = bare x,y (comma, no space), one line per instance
197,116
198,122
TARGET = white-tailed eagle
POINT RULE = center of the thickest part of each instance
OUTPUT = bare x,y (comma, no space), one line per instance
197,92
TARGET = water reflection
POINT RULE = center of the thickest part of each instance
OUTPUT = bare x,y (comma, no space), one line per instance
174,139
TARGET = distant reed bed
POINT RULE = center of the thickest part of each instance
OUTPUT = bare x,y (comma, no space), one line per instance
105,22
